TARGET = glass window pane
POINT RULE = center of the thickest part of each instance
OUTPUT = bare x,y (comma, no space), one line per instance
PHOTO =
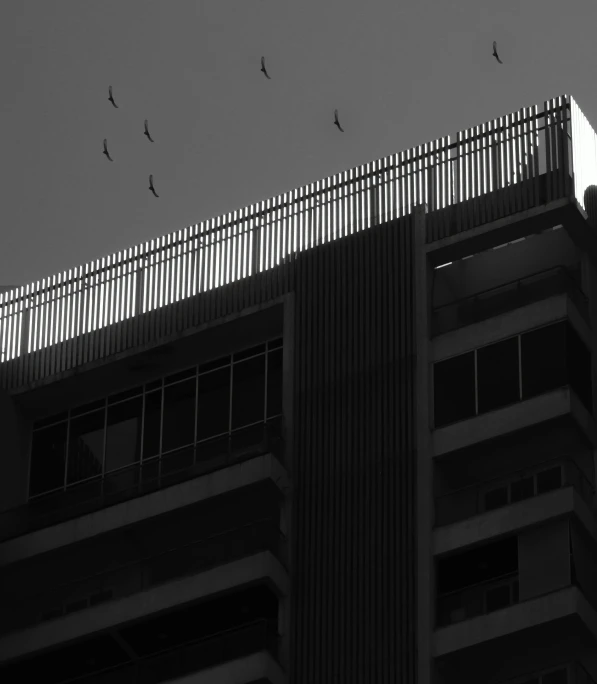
123,445
543,360
497,597
496,498
497,375
179,415
549,480
248,392
86,408
151,429
127,394
274,383
246,353
454,389
522,489
48,457
579,367
213,411
86,446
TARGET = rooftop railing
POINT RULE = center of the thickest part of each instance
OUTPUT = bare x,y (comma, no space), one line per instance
511,163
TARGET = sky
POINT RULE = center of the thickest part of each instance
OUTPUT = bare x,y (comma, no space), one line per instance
400,74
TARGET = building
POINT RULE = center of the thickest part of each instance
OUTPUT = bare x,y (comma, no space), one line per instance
346,434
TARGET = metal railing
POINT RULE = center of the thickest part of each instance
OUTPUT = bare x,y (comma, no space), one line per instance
192,656
467,502
497,300
508,154
20,611
472,601
140,479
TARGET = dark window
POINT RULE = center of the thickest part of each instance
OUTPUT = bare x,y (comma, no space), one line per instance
48,458
57,418
85,446
182,375
246,353
555,677
274,344
477,565
153,385
497,375
543,360
248,391
496,498
579,367
522,489
127,394
86,408
213,410
497,597
213,365
274,383
454,389
179,415
549,480
123,436
151,428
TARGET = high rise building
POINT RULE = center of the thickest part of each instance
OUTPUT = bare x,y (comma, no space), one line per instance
346,434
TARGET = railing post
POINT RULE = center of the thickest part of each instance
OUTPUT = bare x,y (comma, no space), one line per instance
25,327
140,285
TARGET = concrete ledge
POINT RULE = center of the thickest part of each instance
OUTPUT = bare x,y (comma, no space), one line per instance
518,516
239,573
502,421
538,611
146,506
241,671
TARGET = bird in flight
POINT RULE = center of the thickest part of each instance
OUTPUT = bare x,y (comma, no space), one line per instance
336,122
106,150
263,68
147,131
151,186
111,98
495,54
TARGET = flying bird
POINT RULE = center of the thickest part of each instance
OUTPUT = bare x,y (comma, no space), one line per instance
151,186
263,68
147,131
106,150
336,122
495,54
111,98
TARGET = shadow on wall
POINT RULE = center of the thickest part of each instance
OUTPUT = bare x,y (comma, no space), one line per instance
590,202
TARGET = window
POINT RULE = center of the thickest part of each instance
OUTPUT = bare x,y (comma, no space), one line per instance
152,424
274,383
454,389
496,498
86,446
179,415
543,360
248,391
548,480
521,489
213,409
579,367
48,459
123,434
497,375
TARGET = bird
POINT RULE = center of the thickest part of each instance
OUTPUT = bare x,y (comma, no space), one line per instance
495,54
111,98
263,68
147,132
106,150
151,186
336,122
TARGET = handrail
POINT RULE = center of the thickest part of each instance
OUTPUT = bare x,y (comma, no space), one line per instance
513,284
508,477
268,631
503,152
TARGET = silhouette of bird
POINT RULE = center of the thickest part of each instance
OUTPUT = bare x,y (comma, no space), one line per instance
263,68
151,186
495,54
111,98
106,150
147,131
336,122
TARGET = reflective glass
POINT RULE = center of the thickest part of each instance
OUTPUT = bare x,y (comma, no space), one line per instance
85,446
123,434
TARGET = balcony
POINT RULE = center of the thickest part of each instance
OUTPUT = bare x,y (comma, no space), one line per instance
20,612
141,479
518,486
92,666
569,673
513,295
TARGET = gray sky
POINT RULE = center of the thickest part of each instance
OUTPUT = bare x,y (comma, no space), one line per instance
400,74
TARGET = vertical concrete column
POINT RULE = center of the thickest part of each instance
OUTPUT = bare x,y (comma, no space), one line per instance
589,284
425,590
